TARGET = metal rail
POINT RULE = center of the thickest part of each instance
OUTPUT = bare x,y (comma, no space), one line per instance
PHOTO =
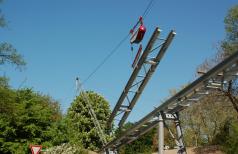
133,77
137,82
149,73
216,78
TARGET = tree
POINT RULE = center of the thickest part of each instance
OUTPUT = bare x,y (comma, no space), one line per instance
144,144
231,144
8,54
222,104
27,117
230,44
80,124
227,47
228,137
4,82
202,121
2,19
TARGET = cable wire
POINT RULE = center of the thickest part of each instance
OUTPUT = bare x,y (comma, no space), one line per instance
145,13
148,8
105,59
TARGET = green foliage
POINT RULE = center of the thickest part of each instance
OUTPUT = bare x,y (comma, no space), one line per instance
80,125
8,54
230,45
231,144
2,19
27,117
231,23
4,82
204,120
204,123
228,137
143,145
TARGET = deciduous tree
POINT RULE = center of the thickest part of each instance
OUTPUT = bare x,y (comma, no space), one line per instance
27,117
80,123
8,54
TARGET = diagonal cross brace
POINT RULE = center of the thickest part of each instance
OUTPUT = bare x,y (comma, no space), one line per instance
148,76
134,75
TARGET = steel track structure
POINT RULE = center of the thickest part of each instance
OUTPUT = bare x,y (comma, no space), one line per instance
215,79
140,76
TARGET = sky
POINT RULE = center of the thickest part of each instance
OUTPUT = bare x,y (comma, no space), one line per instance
61,40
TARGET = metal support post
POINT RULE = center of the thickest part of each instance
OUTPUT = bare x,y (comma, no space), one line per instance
182,149
161,135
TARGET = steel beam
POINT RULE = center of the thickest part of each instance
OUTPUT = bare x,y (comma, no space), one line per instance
191,89
133,75
148,75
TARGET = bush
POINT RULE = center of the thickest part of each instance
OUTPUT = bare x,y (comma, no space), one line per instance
231,143
228,137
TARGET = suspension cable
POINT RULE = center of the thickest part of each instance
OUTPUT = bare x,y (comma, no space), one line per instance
148,8
145,13
105,59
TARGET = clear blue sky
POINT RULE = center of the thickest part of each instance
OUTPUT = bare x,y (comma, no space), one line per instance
62,39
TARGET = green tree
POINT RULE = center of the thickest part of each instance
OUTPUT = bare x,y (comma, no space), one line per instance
80,124
230,44
4,82
142,145
2,18
227,47
231,144
228,137
227,96
205,119
27,117
8,54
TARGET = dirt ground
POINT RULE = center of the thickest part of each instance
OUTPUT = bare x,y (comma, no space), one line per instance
207,150
190,150
91,152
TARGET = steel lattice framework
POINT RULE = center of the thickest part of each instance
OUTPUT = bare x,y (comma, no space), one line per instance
217,78
140,76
